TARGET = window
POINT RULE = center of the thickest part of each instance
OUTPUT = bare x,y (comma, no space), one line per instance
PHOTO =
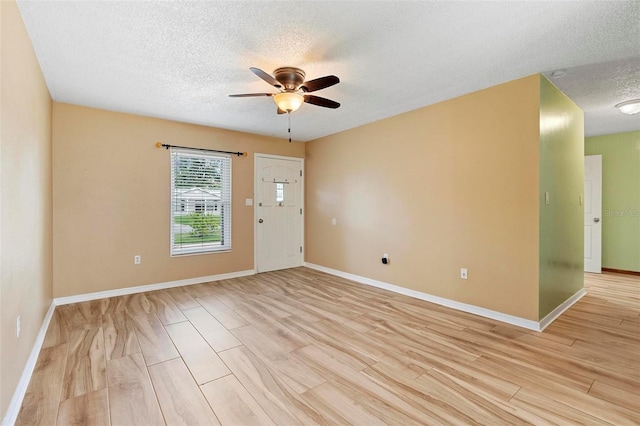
279,192
199,181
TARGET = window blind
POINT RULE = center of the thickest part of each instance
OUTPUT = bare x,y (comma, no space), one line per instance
200,202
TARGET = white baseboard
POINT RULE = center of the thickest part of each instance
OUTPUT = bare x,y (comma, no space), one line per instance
150,287
551,316
472,309
23,383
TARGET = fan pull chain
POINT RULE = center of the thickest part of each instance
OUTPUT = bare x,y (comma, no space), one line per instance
289,116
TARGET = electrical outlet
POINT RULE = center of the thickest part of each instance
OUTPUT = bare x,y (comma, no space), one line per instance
463,273
18,326
137,259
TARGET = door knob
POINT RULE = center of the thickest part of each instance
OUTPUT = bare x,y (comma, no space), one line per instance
596,219
260,220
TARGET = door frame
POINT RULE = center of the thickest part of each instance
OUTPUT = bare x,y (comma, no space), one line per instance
255,204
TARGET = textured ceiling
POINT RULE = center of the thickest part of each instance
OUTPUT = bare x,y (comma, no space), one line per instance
596,88
180,60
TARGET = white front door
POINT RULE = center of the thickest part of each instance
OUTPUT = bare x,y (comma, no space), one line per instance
593,213
278,212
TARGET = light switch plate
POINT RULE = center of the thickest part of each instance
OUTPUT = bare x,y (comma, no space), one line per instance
546,198
248,202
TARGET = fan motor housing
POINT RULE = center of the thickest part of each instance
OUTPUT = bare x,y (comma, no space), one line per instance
290,77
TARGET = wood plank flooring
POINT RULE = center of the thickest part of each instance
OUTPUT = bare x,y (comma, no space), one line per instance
302,347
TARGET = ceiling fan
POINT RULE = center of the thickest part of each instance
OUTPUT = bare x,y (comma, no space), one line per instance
293,89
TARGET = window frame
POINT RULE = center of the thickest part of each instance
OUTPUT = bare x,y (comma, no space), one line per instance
177,200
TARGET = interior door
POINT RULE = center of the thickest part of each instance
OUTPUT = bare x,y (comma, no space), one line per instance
278,208
593,213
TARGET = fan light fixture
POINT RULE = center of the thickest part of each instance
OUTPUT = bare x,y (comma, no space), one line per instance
288,101
629,107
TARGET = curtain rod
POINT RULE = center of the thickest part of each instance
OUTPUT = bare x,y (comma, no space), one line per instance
166,146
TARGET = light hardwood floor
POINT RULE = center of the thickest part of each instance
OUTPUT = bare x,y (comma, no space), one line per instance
302,347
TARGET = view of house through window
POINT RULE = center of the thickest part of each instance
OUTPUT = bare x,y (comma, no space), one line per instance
200,202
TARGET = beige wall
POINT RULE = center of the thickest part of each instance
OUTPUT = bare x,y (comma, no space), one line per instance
447,186
112,194
25,199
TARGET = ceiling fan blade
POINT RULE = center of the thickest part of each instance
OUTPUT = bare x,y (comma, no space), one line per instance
323,102
281,111
266,77
320,83
247,95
